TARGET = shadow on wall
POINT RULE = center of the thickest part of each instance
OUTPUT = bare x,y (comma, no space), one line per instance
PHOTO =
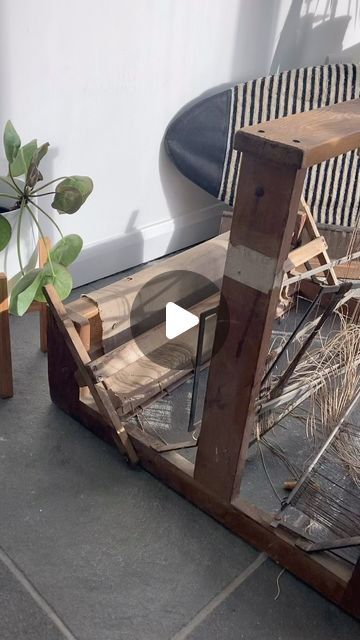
310,37
255,34
134,238
120,251
195,213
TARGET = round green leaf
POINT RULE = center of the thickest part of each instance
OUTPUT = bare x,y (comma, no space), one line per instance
22,161
66,250
61,279
24,291
12,142
84,184
5,232
67,199
67,193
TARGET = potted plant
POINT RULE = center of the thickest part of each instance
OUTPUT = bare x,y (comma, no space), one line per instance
20,212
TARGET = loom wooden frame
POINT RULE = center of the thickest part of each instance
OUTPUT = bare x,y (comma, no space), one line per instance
275,157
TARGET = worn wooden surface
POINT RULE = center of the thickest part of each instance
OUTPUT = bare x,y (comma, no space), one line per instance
149,342
204,265
44,247
313,232
261,233
82,359
351,599
82,326
304,253
327,575
260,237
304,139
6,377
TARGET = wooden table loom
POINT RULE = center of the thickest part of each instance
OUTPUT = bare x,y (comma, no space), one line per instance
86,383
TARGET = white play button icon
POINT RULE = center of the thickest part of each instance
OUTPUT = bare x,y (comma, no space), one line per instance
178,320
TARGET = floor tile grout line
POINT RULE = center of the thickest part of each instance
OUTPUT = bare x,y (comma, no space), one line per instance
215,602
36,595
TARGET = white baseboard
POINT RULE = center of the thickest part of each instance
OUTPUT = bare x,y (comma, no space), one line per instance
105,258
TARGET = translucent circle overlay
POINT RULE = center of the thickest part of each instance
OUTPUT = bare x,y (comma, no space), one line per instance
189,290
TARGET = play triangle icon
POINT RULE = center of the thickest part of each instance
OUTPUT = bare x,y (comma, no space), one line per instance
178,320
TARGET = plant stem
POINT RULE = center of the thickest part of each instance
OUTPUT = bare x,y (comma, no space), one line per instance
47,215
10,185
43,238
14,183
48,193
18,236
47,184
6,195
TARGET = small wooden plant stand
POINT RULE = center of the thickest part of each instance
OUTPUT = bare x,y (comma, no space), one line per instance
6,373
275,158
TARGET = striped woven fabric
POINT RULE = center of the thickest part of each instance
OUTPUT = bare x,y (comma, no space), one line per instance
332,189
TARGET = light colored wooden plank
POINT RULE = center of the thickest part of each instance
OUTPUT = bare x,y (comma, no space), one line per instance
82,326
6,378
44,246
110,363
314,232
304,253
116,300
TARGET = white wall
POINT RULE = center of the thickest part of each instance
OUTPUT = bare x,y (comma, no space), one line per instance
101,81
310,32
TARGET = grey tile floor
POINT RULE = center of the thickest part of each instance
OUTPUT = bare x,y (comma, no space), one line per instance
92,550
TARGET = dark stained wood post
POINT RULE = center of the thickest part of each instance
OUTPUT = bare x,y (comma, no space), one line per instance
351,600
275,156
263,223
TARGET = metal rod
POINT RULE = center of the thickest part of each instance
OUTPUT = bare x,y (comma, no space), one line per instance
322,450
293,335
339,543
342,291
324,267
197,369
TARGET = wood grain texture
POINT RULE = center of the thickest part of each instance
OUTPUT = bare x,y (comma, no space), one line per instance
82,326
82,359
304,253
87,309
115,301
6,377
351,599
44,247
330,576
304,139
264,220
313,231
150,341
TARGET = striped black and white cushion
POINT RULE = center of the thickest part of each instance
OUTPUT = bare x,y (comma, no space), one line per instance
332,188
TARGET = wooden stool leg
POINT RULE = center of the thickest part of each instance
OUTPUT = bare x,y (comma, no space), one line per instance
44,246
6,379
43,328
